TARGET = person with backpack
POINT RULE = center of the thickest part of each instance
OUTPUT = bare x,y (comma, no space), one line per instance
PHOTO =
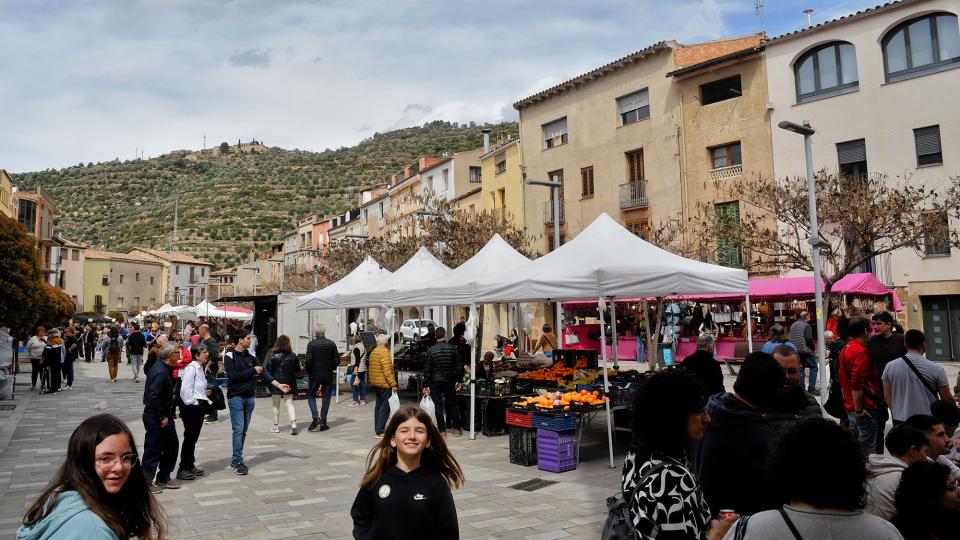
661,495
136,344
112,353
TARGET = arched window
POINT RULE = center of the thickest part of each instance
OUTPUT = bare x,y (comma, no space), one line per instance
827,70
920,46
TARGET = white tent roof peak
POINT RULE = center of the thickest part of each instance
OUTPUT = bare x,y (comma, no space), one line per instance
366,273
422,266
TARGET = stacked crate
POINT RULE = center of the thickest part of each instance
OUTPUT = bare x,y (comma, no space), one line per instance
523,439
556,450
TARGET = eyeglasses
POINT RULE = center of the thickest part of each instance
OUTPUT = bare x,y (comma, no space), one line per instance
792,371
126,461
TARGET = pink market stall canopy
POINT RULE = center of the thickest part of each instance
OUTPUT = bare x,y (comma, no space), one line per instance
785,289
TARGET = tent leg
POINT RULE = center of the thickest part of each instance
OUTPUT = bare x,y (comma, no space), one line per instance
613,330
473,380
749,325
606,381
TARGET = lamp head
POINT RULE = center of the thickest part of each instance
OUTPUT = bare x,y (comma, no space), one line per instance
803,129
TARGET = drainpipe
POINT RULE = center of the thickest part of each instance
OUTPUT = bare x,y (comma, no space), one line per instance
684,191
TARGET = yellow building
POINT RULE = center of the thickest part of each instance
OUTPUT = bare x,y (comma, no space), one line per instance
125,282
503,181
6,196
96,282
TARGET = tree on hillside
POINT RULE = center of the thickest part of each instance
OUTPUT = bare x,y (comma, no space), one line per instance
860,219
224,148
19,276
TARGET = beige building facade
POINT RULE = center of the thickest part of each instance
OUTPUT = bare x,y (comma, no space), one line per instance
502,181
6,196
132,282
72,258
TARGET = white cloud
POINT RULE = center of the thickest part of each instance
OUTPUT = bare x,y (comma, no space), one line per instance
95,81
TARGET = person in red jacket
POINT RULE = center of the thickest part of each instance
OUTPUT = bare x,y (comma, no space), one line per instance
860,384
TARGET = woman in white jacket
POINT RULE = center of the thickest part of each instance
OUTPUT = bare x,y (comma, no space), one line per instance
195,396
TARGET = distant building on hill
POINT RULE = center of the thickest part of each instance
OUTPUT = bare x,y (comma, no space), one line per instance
185,278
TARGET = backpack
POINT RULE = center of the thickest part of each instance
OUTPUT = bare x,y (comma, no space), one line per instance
617,525
114,346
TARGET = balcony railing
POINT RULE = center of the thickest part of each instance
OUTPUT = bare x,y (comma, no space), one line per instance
726,172
633,194
548,213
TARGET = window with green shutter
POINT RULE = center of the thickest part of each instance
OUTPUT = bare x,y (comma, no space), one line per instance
729,252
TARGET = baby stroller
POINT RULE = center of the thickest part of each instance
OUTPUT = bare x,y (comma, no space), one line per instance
44,378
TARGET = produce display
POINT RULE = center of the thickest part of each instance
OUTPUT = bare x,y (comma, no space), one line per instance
563,401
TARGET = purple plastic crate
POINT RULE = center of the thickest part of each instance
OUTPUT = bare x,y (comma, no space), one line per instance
566,451
555,465
556,438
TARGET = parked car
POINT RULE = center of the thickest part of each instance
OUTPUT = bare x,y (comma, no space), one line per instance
411,329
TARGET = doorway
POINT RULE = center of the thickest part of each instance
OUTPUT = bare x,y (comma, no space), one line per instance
941,324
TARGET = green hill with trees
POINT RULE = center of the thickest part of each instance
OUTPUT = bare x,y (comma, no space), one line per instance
234,199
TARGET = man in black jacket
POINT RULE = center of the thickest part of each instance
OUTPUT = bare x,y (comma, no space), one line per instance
135,345
703,368
442,373
160,443
242,369
322,360
731,460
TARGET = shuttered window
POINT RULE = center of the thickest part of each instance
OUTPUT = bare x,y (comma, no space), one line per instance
851,152
728,250
555,133
927,141
634,107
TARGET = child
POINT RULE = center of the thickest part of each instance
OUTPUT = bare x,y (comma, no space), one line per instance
405,492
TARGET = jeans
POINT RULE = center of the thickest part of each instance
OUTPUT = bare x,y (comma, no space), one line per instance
444,396
327,388
360,389
241,409
192,417
809,362
381,411
36,364
159,447
865,429
136,362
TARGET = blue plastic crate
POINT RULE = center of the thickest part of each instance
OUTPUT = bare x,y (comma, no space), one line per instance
554,422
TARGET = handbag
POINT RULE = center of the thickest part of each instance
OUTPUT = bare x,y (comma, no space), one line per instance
617,526
216,399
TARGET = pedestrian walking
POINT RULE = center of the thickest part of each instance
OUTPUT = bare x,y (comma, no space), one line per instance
72,345
405,492
284,365
208,342
53,355
242,369
442,373
136,344
358,359
883,347
194,402
160,444
801,335
322,360
98,492
860,385
35,347
89,343
383,380
112,352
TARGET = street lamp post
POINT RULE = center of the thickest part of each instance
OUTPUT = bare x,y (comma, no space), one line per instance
816,243
555,186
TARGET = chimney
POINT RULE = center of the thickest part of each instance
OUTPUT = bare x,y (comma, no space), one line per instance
809,13
393,180
406,171
486,140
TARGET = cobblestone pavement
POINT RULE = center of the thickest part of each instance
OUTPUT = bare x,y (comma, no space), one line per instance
299,486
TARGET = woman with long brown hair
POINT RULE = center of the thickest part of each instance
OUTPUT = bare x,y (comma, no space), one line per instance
284,365
405,492
98,492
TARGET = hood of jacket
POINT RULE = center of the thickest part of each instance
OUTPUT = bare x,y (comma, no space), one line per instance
728,412
68,506
880,464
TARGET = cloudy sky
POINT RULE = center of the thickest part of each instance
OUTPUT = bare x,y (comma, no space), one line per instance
100,79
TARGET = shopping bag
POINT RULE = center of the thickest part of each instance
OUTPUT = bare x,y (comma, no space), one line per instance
571,339
428,407
394,402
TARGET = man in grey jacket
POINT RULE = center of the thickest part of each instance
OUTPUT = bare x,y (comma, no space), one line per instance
801,334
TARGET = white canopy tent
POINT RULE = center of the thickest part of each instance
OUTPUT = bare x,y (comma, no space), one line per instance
206,309
604,261
365,275
421,270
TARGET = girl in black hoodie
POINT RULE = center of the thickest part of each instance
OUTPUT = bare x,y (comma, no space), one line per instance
405,493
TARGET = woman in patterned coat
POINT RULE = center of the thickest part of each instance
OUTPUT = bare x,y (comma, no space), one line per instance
663,497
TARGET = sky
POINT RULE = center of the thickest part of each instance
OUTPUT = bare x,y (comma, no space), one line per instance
104,79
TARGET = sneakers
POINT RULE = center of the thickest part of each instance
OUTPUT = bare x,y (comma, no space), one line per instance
275,429
313,425
378,436
240,469
185,475
209,420
136,379
354,404
294,430
363,402
323,427
457,432
197,471
814,391
169,484
154,488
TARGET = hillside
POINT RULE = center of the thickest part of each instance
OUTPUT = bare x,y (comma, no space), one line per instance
233,203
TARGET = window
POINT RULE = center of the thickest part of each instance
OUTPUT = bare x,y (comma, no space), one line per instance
927,141
639,228
151,280
728,250
429,184
634,107
555,133
920,46
119,302
105,280
827,70
558,176
193,276
446,179
501,163
936,234
27,215
177,269
852,159
98,303
586,181
727,155
721,90
121,279
75,255
136,302
476,175
502,195
635,165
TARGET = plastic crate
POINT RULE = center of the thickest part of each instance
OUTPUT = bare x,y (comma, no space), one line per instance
523,446
551,464
519,419
553,439
523,386
554,422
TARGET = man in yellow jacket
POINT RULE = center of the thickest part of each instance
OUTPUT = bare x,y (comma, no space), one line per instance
383,380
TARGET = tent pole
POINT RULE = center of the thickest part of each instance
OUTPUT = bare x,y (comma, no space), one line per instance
473,379
613,330
749,325
606,382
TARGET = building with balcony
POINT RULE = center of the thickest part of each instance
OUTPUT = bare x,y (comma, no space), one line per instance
878,87
223,282
125,282
501,178
36,211
185,278
72,259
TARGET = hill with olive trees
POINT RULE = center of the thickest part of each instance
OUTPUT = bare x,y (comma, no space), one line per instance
233,199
